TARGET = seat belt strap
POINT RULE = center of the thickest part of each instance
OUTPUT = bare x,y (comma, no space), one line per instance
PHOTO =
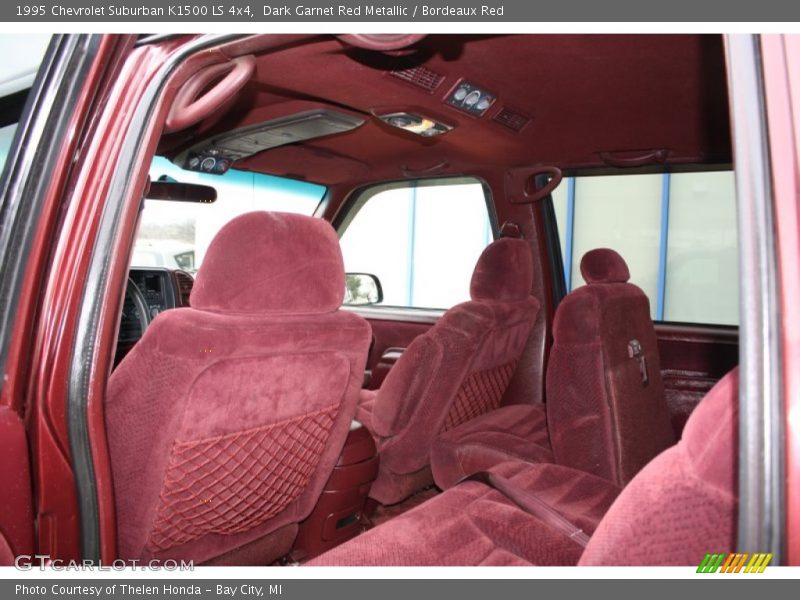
531,504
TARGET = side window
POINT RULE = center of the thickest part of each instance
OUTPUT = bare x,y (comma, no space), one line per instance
677,232
421,239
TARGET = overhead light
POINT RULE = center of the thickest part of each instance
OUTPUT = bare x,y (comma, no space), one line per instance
414,123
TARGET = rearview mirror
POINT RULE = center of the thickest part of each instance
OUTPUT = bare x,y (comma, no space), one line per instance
361,289
181,192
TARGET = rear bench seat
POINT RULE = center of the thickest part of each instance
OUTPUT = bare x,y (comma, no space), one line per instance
680,506
605,412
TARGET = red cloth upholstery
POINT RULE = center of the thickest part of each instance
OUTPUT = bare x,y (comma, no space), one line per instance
680,506
516,432
305,273
503,272
606,421
366,404
7,555
225,420
602,416
472,524
684,503
453,373
604,265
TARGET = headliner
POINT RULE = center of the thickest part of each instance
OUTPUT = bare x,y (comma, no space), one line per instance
586,95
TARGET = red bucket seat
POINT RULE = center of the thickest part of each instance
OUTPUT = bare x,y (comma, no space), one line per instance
455,372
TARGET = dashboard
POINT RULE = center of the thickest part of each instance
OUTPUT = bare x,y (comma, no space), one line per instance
150,292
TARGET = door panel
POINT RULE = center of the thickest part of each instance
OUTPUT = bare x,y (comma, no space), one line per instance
693,359
390,338
392,331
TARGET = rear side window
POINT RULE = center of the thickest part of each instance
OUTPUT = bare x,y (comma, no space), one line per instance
677,232
421,239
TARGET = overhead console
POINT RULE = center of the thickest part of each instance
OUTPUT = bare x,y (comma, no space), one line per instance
218,154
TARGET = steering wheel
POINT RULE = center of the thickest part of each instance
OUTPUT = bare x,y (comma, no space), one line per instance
134,294
134,320
134,309
135,299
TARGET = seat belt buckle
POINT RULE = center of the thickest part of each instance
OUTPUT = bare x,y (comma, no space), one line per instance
635,352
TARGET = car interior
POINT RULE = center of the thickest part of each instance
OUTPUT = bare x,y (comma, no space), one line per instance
554,413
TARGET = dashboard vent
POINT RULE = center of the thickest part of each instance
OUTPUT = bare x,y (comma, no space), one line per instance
512,119
421,77
185,284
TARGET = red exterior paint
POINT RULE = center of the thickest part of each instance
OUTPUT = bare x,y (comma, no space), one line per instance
16,517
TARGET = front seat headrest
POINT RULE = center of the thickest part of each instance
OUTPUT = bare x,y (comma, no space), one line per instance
270,262
504,272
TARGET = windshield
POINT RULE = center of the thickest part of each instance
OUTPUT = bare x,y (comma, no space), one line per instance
176,235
